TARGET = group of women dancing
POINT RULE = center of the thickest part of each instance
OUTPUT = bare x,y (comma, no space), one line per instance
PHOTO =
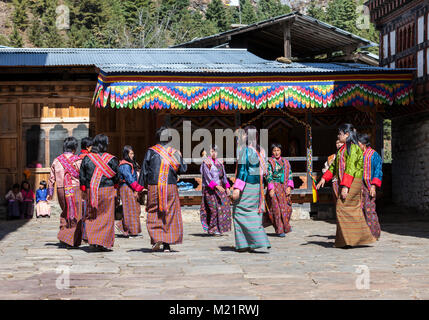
355,171
89,186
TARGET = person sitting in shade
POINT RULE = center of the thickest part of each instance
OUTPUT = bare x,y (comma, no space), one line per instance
14,200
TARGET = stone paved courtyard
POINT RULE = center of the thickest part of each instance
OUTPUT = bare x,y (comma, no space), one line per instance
304,265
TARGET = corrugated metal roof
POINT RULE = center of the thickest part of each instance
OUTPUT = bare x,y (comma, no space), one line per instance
98,57
263,67
168,60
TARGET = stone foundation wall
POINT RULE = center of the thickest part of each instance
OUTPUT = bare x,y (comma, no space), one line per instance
410,161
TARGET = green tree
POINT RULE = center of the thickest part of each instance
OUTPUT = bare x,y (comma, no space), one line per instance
271,8
15,39
19,17
36,30
3,40
217,13
248,14
316,11
342,14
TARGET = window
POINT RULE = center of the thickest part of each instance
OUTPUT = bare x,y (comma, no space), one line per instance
420,63
80,132
385,46
56,140
35,147
392,42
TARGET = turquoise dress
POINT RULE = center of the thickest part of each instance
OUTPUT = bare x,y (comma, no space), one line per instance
249,232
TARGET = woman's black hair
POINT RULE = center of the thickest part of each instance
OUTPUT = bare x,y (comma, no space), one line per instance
100,143
43,183
86,143
126,156
364,139
350,129
70,144
254,137
160,135
25,182
15,186
276,145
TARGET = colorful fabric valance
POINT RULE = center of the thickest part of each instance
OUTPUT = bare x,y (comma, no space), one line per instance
252,92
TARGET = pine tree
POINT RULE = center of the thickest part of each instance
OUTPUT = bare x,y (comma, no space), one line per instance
271,8
50,37
35,32
15,39
19,14
248,14
342,14
316,11
216,12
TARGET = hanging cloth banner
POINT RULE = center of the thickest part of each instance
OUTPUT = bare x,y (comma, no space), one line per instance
252,92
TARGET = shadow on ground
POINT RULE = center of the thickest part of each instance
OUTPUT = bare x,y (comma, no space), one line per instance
399,220
8,226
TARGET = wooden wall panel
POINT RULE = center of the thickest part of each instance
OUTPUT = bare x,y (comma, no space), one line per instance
8,118
6,182
8,156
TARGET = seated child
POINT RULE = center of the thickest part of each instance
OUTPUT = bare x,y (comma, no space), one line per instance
14,199
42,206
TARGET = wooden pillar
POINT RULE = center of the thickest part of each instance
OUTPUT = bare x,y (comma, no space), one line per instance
286,40
379,140
309,148
122,125
237,119
19,147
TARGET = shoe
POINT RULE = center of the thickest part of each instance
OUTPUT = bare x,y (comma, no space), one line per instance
242,249
103,249
282,235
166,247
156,246
217,234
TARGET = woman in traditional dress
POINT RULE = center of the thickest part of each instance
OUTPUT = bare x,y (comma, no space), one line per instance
42,206
27,204
129,189
161,165
249,195
372,177
280,185
85,148
99,179
65,176
352,229
14,200
215,209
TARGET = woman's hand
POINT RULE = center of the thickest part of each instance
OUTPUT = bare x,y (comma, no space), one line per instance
236,194
288,191
49,198
228,192
344,192
321,184
373,192
272,193
220,188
